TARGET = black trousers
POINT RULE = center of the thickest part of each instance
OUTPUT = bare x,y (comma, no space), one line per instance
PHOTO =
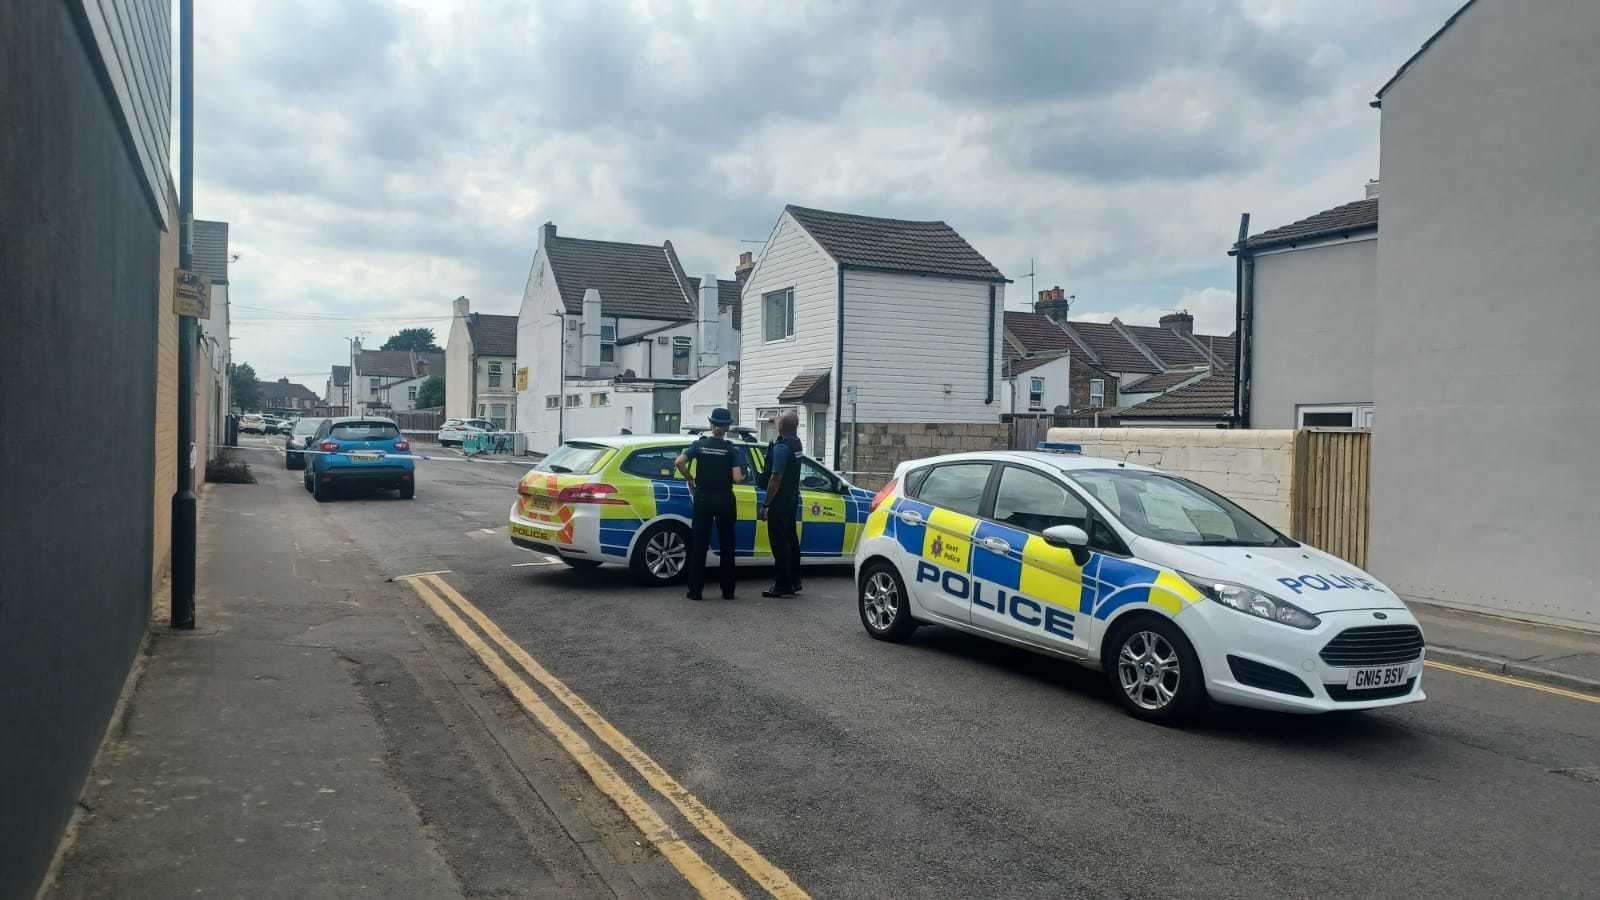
784,535
712,510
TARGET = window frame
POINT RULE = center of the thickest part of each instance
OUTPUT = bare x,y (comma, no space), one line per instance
835,484
608,348
552,401
1360,414
1097,398
686,344
1035,392
411,392
496,372
599,399
788,316
1120,551
985,500
574,401
674,449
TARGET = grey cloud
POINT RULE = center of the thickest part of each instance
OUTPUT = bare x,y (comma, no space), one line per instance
1091,145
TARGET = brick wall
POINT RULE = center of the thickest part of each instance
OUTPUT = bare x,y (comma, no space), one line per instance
1252,467
882,446
1078,384
166,421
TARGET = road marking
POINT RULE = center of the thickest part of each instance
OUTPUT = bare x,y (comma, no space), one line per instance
709,824
419,574
683,857
1518,682
547,562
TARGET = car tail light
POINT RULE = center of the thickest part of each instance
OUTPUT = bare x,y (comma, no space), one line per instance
590,493
328,446
402,445
883,494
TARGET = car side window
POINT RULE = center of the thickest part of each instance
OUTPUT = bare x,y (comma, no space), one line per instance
655,463
1104,539
1033,502
815,478
957,487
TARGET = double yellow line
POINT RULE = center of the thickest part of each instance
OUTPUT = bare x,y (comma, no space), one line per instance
702,877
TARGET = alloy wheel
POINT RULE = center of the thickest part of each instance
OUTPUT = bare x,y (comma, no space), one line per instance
1148,670
880,600
665,554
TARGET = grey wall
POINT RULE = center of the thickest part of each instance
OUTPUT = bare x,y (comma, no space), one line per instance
1314,312
134,39
79,249
1485,492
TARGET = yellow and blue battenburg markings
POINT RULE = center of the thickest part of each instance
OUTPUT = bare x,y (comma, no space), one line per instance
830,524
1032,567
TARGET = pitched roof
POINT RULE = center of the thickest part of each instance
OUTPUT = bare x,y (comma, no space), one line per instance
1421,50
341,376
728,296
1036,332
1110,348
398,363
1169,346
1350,219
927,248
493,335
1209,398
635,280
810,386
1160,381
210,249
279,393
1018,365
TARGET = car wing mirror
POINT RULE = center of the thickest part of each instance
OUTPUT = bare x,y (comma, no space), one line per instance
1069,537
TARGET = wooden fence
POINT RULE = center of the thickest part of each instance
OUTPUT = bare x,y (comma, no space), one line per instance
1328,499
419,419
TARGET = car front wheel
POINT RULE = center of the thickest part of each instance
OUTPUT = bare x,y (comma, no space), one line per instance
885,608
1154,672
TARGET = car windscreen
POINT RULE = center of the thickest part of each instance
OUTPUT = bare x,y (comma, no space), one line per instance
575,458
1175,510
307,426
364,431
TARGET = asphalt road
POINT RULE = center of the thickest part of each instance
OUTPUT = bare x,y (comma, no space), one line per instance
954,767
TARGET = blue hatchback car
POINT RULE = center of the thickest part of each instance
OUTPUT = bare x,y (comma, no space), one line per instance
361,450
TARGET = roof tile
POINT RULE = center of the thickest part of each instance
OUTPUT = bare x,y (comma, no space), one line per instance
634,280
493,335
929,248
1209,398
1351,218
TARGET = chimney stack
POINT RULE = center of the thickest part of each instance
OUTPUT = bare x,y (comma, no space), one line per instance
546,232
589,336
460,307
742,270
710,323
283,380
1053,303
1179,321
1372,189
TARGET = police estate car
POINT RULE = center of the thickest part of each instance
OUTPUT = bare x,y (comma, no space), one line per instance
620,500
1175,592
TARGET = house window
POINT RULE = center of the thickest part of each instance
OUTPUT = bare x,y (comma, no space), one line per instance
552,401
411,393
574,400
1097,392
494,374
778,314
680,357
497,416
375,383
819,431
1036,393
1352,415
599,398
608,343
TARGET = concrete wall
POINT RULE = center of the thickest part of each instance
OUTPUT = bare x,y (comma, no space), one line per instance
458,402
883,445
80,249
1253,468
1484,490
1314,323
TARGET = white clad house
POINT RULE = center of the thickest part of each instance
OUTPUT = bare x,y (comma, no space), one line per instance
480,366
905,312
612,334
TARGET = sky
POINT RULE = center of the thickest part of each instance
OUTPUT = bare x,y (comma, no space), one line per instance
378,158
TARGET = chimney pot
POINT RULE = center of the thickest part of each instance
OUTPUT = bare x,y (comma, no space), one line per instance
548,230
1179,321
746,259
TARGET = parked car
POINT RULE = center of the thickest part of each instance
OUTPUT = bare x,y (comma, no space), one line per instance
1178,594
271,424
252,423
454,431
620,500
301,436
361,450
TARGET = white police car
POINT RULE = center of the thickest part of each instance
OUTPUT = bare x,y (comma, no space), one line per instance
1177,593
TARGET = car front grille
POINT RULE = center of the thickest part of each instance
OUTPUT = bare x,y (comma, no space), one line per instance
1250,673
1373,645
1342,694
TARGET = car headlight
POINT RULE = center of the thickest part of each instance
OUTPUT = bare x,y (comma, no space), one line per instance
1252,602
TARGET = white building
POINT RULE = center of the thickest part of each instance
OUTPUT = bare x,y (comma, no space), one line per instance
611,334
908,313
480,366
210,251
387,380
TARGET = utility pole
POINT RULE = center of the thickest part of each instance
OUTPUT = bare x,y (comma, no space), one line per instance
183,500
561,405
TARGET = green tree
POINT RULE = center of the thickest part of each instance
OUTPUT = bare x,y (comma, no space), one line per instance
418,339
430,393
245,388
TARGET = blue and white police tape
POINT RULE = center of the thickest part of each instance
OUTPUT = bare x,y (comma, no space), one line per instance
365,455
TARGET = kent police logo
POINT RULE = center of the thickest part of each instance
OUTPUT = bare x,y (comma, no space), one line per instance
938,547
816,509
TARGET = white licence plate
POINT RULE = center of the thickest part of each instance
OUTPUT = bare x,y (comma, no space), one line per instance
359,456
1374,677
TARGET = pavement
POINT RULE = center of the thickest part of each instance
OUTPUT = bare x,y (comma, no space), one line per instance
503,725
1563,657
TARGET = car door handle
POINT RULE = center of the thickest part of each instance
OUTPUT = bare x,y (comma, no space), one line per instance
995,545
911,517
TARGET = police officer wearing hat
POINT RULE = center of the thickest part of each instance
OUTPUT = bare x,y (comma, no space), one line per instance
783,498
716,472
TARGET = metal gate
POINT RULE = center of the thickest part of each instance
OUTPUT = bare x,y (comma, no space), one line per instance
1328,499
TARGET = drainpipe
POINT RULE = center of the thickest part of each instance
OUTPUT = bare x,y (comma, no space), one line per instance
990,379
1244,314
838,366
184,502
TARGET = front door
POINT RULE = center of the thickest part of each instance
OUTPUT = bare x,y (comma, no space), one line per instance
1029,590
936,528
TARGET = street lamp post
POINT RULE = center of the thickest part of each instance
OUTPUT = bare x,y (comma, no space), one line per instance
561,396
184,502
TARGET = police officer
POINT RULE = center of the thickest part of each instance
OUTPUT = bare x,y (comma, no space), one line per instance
717,471
783,497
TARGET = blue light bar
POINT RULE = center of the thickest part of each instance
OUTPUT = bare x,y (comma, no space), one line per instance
1059,447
